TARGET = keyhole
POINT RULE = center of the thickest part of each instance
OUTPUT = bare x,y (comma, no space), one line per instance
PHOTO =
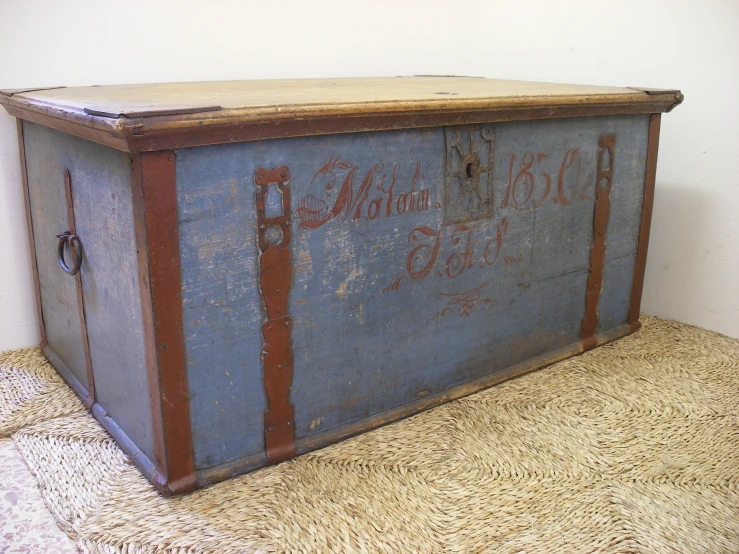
468,171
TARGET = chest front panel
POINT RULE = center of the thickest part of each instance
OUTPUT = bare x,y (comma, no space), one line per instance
421,260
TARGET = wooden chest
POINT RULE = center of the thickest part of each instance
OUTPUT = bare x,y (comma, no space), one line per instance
252,270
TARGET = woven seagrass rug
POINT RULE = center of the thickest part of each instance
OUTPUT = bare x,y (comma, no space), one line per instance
632,447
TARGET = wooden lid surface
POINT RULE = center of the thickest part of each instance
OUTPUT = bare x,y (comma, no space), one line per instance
128,113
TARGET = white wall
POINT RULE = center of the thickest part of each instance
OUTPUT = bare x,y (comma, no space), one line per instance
694,250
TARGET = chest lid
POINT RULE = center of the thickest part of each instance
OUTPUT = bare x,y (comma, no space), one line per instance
162,116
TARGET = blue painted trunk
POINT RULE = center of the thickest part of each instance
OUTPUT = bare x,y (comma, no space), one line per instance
263,275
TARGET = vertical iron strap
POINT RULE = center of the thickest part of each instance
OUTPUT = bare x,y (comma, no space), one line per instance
275,279
603,182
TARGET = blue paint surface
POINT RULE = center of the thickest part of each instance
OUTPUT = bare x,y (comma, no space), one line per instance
613,307
372,329
101,193
622,235
222,308
49,213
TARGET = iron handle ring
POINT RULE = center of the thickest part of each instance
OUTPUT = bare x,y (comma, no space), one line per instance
70,239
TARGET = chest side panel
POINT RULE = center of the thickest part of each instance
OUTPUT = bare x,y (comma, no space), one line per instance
49,213
101,191
421,259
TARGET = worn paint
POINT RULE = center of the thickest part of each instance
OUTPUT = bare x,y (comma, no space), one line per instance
104,221
613,306
222,311
49,212
388,301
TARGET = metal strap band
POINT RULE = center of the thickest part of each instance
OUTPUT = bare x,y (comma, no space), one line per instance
275,277
603,181
90,400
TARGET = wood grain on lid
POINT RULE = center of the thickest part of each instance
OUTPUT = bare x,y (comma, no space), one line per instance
150,116
364,94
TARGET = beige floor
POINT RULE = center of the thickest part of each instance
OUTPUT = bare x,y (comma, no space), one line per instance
631,447
26,525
